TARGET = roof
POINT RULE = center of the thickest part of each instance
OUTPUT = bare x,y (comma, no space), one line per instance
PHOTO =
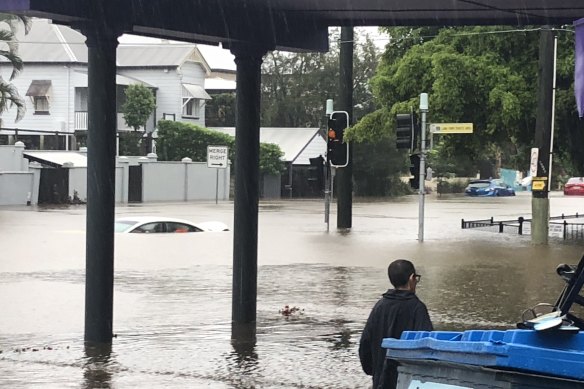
57,158
298,144
53,43
218,83
218,58
291,24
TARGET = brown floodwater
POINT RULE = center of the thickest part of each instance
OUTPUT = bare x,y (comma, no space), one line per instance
172,303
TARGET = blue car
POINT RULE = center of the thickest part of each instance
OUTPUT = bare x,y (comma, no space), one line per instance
488,188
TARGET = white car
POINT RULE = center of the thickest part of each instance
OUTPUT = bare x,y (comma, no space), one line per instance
157,224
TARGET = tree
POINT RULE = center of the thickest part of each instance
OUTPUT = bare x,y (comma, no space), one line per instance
295,86
9,95
177,140
484,75
139,105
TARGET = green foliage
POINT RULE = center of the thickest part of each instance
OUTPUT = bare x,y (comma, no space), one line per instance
271,159
139,105
220,110
484,75
9,96
295,86
177,140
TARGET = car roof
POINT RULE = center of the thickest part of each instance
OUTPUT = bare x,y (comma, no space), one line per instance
148,219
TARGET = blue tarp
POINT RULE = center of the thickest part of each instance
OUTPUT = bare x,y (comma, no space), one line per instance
549,353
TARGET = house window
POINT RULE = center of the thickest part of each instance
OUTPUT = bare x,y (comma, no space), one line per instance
39,92
41,104
191,107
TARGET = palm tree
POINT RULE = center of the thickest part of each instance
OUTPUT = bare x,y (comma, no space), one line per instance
9,95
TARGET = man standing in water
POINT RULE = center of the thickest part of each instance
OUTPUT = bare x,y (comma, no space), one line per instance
398,310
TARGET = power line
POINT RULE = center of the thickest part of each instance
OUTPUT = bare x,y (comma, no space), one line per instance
471,33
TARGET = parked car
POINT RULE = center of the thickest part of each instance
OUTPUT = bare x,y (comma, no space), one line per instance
489,188
151,224
574,187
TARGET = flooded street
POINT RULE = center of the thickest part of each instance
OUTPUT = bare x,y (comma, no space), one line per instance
172,303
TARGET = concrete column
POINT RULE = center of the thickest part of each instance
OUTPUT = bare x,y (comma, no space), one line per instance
248,60
124,163
186,162
344,176
101,164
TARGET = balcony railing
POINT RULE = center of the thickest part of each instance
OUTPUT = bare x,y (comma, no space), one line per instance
81,121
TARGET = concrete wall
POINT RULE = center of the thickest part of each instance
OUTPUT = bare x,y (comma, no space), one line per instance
179,181
78,182
11,159
16,188
161,181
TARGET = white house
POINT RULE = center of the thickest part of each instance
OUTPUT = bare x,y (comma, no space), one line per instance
54,84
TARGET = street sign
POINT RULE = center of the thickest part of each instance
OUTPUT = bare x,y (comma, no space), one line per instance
539,184
217,156
533,162
451,128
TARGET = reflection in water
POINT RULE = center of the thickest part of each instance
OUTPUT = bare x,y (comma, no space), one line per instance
97,368
242,364
244,356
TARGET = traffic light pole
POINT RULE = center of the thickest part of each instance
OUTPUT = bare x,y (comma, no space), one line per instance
422,189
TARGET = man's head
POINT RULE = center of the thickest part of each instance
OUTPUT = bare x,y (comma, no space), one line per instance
402,275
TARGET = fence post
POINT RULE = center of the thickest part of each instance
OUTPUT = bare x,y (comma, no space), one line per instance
500,226
462,224
520,220
565,228
492,221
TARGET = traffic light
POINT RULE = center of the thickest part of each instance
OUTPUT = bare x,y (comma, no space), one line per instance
316,174
404,131
415,171
336,148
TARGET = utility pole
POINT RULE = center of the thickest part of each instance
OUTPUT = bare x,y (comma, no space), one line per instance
345,176
543,138
422,189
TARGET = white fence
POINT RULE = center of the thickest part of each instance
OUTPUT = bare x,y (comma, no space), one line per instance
161,181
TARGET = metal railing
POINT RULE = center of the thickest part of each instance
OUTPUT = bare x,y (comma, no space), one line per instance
563,229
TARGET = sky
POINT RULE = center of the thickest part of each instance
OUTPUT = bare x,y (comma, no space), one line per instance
225,58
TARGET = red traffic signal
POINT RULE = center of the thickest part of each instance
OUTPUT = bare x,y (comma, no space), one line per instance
337,149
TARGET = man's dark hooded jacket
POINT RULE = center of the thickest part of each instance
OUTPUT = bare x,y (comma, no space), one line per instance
397,311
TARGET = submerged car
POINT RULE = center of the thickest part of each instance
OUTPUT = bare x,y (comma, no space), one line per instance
489,188
148,225
574,187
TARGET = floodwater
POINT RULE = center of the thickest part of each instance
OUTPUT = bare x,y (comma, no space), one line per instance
172,305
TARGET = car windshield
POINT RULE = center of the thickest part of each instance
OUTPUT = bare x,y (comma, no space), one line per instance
123,225
479,184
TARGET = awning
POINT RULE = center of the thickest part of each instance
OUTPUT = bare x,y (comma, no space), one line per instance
57,158
195,91
39,88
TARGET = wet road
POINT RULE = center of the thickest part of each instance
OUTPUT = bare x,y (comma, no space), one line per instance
172,307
